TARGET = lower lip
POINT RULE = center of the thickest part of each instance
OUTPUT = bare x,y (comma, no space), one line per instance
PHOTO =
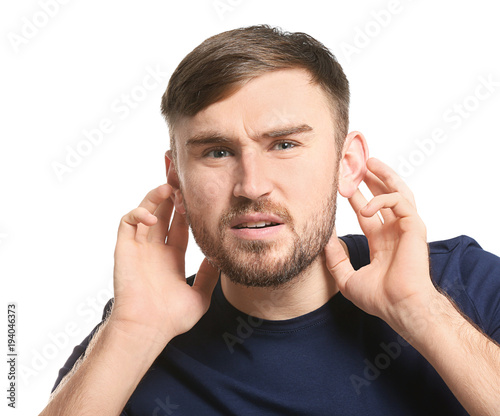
258,233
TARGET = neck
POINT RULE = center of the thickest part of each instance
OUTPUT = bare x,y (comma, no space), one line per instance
305,293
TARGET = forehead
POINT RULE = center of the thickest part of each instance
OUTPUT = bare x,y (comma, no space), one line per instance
270,101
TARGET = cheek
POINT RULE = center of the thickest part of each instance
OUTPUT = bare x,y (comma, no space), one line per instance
204,193
315,182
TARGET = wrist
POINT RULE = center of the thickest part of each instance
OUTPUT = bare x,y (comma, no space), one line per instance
136,338
422,315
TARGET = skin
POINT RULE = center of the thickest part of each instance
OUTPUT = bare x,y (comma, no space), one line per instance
153,303
255,167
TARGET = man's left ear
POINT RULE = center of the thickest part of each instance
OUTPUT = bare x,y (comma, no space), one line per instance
352,167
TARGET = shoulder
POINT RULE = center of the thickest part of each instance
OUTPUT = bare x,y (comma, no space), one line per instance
462,269
462,259
471,277
462,253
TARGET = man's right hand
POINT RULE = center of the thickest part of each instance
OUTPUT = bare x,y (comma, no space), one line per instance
153,303
152,298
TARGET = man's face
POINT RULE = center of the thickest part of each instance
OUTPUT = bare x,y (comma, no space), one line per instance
258,176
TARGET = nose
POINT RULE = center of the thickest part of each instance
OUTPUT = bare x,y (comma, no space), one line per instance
252,177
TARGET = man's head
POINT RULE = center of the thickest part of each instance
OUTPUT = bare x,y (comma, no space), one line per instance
257,120
223,63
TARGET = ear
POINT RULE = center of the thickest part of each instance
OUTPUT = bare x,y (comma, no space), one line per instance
353,163
173,181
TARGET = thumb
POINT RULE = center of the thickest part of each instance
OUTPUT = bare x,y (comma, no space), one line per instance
337,262
206,278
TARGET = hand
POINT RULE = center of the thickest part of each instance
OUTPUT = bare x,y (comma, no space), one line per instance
152,297
398,273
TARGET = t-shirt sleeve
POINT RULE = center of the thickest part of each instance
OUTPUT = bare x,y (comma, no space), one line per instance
480,274
471,277
80,349
460,267
359,252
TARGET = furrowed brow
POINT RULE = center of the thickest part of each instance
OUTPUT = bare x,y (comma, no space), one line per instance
288,131
210,138
204,139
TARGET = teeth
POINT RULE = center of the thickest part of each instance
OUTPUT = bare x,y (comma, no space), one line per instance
258,224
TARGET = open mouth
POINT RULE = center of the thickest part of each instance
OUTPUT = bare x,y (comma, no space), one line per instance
259,224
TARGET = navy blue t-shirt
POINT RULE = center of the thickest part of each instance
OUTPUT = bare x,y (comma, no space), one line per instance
336,360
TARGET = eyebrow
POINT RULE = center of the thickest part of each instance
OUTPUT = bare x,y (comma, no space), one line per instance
203,139
288,131
209,137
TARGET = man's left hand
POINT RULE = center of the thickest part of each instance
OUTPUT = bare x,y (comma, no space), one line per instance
396,286
398,273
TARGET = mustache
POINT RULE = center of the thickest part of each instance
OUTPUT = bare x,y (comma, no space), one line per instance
252,207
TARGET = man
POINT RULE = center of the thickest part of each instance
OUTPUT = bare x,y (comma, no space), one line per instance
283,317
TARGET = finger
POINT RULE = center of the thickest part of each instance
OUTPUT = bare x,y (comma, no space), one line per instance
206,278
377,187
151,202
156,196
399,205
129,222
391,179
368,224
178,233
159,232
337,262
357,201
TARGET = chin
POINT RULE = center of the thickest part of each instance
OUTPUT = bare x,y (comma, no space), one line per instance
272,270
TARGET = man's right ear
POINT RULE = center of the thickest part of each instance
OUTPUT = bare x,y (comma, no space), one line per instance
173,181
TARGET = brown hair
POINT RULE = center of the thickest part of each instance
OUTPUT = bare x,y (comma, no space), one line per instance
222,63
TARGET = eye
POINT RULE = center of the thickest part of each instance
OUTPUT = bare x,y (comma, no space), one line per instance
217,153
284,145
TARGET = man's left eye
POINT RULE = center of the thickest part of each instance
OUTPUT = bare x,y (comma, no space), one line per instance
284,145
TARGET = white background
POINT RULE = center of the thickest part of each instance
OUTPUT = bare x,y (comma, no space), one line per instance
69,73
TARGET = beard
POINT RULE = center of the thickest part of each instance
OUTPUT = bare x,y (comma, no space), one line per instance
258,263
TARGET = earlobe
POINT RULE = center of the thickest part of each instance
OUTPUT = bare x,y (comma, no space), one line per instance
179,202
352,168
173,181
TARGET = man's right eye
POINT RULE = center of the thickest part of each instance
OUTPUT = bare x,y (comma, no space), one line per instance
217,153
